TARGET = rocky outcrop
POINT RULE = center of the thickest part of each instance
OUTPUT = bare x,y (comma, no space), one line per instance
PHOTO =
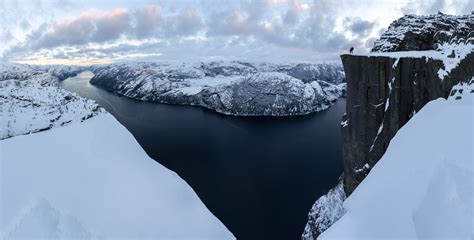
419,33
387,87
383,93
233,88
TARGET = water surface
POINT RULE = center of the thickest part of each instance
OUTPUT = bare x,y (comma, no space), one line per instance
258,175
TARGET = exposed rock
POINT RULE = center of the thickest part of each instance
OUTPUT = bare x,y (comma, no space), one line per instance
325,212
383,93
384,90
418,33
234,88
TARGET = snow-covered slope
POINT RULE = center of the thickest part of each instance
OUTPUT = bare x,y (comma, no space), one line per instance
422,188
93,179
235,88
31,101
86,177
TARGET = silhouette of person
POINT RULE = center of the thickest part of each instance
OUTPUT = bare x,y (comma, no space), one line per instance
351,50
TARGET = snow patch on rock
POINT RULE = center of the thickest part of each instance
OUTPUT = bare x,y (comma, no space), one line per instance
325,212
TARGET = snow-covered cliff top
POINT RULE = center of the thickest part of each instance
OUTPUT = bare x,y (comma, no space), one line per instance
415,33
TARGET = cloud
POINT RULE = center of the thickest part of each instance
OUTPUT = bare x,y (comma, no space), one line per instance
147,20
241,20
188,22
208,28
359,27
90,26
294,12
433,6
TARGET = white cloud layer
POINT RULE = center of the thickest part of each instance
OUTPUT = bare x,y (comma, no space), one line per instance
290,30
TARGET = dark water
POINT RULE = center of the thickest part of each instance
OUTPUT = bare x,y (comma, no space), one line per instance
258,175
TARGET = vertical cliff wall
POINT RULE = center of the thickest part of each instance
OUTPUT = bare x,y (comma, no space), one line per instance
383,93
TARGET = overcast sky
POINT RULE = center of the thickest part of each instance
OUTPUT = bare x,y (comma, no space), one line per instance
87,32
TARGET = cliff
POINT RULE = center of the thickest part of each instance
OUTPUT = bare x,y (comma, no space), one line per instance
418,59
383,93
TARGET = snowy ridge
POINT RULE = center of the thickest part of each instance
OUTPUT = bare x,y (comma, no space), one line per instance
325,212
422,187
415,33
31,100
234,88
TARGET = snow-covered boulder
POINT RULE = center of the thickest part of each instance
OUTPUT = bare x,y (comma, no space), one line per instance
234,88
422,187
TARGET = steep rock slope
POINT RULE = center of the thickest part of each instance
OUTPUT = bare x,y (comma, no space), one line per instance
385,89
422,187
234,88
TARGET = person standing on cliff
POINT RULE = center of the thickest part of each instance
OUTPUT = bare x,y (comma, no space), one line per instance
351,50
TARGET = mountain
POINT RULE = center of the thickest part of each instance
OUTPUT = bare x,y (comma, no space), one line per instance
408,67
70,170
233,88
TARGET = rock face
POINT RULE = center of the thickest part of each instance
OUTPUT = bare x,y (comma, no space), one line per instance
385,91
234,88
418,33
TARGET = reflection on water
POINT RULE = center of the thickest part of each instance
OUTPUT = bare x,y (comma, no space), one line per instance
258,175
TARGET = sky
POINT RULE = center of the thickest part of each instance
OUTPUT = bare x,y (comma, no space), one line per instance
88,32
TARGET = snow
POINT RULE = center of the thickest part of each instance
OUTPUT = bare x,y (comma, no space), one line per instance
441,28
422,187
82,175
345,123
325,212
228,87
461,50
31,101
93,180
